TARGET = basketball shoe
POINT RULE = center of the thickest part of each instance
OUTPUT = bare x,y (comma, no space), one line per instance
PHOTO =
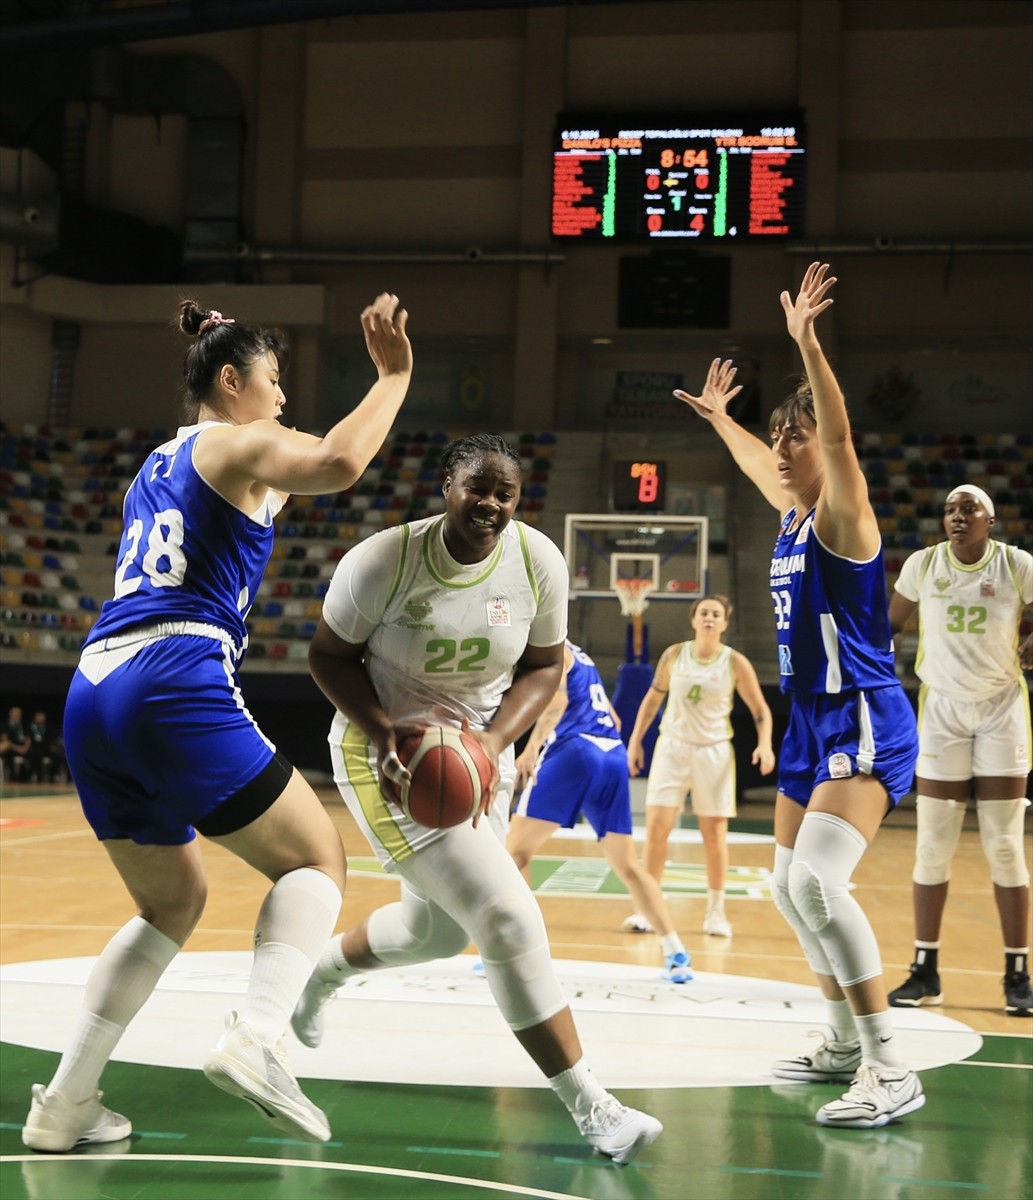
617,1131
716,924
877,1096
922,986
309,1017
57,1124
1018,995
637,923
677,968
831,1062
243,1066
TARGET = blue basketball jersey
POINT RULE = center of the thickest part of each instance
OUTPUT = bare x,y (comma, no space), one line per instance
831,616
587,708
186,553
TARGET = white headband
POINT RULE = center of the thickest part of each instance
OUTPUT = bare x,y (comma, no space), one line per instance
972,490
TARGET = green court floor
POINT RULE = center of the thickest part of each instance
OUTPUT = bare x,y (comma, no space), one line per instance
972,1139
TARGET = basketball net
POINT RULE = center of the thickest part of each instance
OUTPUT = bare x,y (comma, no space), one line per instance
633,595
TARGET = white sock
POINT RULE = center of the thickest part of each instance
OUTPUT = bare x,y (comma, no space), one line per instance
123,977
296,918
715,901
878,1041
671,943
333,967
93,1042
841,1020
579,1089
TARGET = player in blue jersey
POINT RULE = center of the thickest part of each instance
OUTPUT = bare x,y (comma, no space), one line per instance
575,762
849,752
160,743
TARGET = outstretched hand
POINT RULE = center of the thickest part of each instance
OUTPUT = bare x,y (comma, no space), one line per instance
811,300
383,324
717,391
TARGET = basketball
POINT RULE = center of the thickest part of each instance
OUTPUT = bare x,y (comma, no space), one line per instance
450,774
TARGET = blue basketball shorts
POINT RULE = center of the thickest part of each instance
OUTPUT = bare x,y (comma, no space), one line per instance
158,738
581,775
835,737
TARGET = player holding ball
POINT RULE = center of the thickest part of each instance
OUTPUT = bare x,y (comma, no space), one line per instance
452,621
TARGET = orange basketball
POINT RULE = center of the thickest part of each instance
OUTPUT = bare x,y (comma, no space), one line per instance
450,774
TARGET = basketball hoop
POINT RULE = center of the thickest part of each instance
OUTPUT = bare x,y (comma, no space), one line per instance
633,595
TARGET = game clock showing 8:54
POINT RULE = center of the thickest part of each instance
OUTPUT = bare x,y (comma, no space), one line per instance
639,486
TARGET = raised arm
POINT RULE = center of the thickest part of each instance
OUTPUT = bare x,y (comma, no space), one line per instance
752,456
235,457
844,519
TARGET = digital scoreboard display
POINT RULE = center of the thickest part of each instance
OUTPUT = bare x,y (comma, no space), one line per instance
639,486
722,177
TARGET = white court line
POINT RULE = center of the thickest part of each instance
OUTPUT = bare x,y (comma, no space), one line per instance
51,837
1005,1066
509,1189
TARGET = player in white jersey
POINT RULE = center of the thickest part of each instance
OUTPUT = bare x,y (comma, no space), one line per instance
696,681
849,750
158,738
973,728
455,620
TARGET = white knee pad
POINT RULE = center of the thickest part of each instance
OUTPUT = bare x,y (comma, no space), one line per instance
827,851
807,893
939,827
809,942
1000,830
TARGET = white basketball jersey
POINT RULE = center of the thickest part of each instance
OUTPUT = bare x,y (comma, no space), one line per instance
968,617
699,699
444,638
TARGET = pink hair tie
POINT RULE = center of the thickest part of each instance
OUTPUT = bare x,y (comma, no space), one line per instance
214,318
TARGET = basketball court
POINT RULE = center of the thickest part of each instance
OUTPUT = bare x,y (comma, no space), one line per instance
429,1095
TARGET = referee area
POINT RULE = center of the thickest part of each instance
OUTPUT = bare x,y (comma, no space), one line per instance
429,1095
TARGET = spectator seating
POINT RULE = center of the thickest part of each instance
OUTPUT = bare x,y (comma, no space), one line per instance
60,515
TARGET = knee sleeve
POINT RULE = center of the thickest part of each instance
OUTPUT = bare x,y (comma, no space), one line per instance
809,943
939,827
1000,831
511,936
827,851
414,931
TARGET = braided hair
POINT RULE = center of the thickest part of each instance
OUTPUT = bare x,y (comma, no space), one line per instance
465,451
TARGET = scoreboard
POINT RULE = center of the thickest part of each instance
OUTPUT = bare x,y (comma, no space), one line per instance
724,177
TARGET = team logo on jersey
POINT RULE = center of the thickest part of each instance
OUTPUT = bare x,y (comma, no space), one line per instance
498,611
987,587
839,766
785,660
941,585
418,610
805,528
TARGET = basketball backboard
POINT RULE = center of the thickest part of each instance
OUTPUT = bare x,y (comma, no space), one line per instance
603,547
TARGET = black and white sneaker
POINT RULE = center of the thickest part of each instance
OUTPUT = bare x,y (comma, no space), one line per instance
922,986
1018,995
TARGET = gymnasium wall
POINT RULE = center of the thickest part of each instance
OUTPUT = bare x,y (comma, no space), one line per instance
412,152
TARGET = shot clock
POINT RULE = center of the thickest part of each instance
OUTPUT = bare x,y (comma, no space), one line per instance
639,486
719,177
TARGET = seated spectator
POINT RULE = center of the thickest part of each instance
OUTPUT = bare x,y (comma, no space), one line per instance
15,746
46,758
